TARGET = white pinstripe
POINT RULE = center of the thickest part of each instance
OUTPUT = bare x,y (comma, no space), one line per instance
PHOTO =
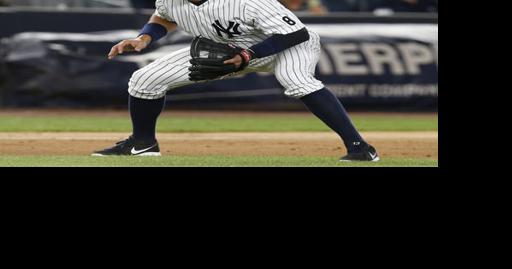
258,20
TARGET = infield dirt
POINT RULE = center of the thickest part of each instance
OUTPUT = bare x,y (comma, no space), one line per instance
389,144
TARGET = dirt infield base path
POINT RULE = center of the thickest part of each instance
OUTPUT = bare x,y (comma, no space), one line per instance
389,144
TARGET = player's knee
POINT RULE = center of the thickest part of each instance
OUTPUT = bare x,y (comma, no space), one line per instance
135,79
144,91
149,95
297,89
299,92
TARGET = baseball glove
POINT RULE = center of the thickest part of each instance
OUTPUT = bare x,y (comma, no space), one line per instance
208,59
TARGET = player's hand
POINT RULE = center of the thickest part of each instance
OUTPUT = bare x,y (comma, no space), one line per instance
237,61
241,59
138,44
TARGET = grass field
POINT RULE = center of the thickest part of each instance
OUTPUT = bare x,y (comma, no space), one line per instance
208,124
12,124
203,161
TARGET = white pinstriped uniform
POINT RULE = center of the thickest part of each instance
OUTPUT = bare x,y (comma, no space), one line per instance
243,23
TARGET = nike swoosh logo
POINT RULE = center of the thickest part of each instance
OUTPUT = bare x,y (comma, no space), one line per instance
137,152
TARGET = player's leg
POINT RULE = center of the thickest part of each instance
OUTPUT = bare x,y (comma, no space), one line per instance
147,88
295,70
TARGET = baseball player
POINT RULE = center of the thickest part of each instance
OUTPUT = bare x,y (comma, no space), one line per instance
260,36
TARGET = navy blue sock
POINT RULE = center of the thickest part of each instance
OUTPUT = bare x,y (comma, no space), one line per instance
326,106
144,114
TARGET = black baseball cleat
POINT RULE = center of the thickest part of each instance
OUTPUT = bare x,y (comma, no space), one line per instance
367,154
131,147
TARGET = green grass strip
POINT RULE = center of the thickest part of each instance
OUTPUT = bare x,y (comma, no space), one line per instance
211,124
201,161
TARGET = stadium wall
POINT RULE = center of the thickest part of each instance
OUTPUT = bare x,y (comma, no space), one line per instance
56,59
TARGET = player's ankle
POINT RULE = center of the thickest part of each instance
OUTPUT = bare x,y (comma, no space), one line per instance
144,139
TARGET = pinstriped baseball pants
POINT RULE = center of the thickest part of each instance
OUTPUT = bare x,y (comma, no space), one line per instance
294,69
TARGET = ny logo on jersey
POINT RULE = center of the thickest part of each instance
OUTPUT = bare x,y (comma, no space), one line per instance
231,31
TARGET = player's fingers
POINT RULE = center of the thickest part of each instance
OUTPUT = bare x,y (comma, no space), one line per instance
124,46
230,61
120,47
113,53
132,45
237,61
